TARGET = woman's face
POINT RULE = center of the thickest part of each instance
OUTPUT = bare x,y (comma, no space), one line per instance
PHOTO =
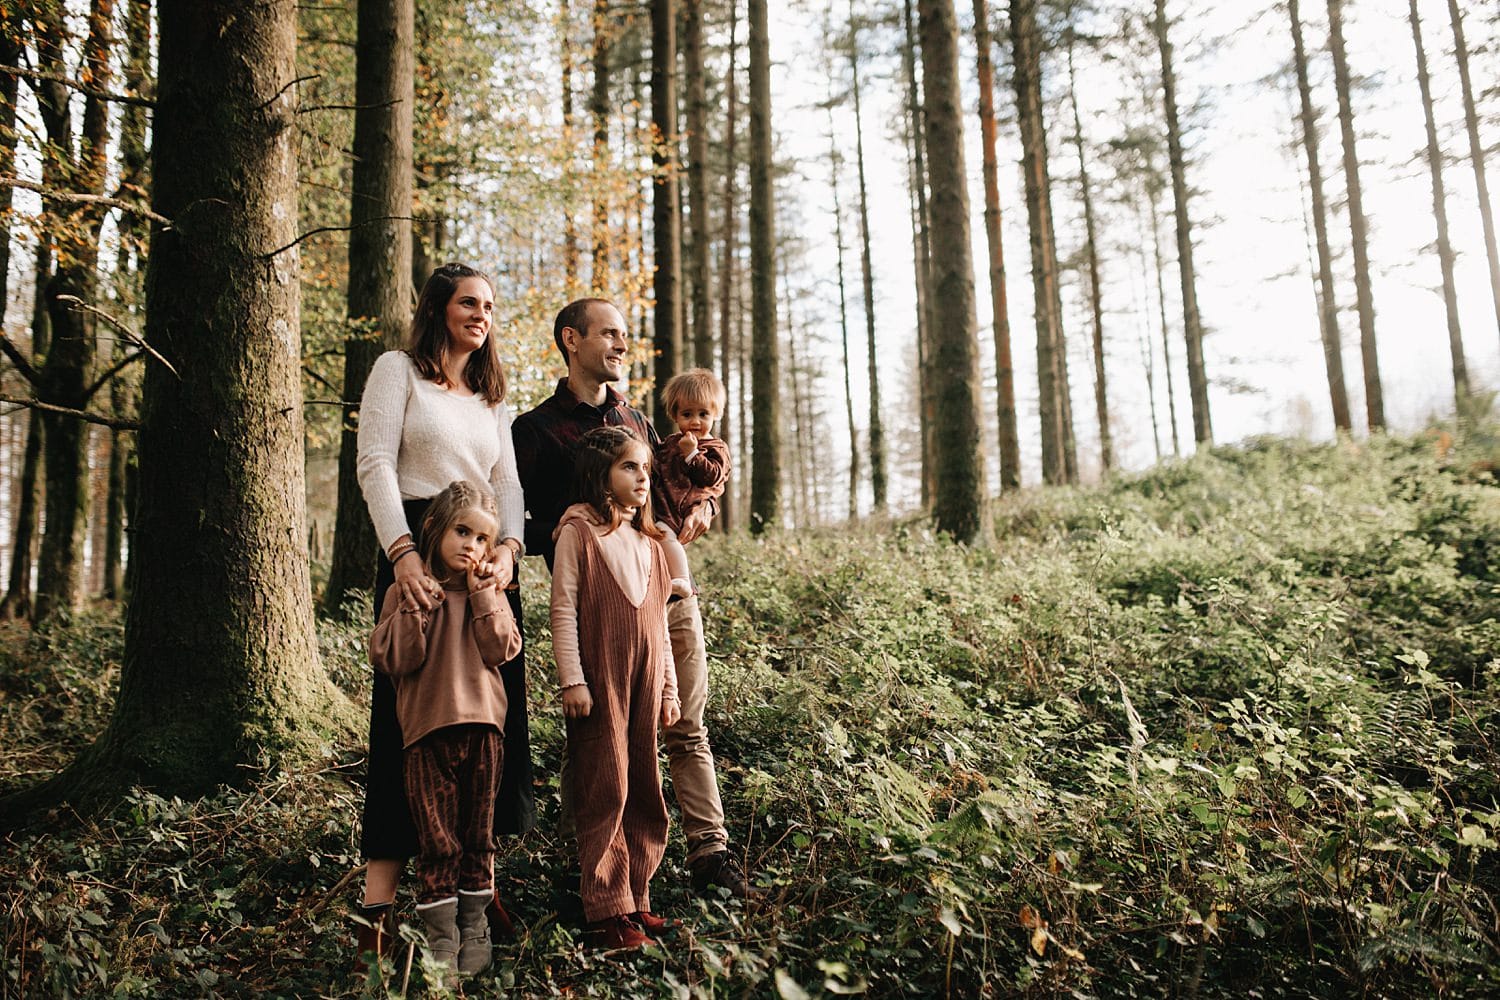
468,315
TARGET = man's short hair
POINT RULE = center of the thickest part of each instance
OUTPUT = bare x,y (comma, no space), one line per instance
576,315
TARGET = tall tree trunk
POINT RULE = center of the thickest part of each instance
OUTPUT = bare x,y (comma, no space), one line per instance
1051,381
380,291
64,376
1091,251
19,598
697,111
1166,328
926,398
877,425
1328,314
599,108
1005,375
728,507
1364,295
221,664
765,473
835,164
133,178
959,498
1476,153
1440,215
802,513
666,217
570,225
1192,326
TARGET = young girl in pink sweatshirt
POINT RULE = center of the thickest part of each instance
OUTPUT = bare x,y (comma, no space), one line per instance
614,663
450,700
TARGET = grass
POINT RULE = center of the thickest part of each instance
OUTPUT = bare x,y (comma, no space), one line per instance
1225,728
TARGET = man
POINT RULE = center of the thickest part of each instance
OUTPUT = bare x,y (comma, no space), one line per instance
590,335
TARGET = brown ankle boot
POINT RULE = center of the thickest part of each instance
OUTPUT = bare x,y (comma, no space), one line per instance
376,936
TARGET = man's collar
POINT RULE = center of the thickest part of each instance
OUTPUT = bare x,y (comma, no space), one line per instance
570,401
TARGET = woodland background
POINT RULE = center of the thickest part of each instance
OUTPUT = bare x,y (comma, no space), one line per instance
1222,724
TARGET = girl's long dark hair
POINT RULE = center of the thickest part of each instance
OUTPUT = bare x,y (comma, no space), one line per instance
598,451
428,343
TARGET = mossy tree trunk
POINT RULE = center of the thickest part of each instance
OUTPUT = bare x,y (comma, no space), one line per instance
765,471
221,671
380,251
958,498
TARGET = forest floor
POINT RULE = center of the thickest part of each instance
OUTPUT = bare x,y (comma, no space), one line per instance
1225,728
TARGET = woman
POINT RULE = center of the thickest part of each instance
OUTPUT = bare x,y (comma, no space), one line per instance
430,415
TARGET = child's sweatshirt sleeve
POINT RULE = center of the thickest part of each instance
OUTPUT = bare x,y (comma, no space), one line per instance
565,606
398,646
708,467
495,630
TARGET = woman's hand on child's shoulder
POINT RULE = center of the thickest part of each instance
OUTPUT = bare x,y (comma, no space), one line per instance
577,703
671,711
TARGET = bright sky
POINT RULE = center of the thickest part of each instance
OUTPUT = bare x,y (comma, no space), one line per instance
1255,286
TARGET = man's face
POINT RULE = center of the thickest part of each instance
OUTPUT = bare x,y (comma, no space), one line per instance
599,351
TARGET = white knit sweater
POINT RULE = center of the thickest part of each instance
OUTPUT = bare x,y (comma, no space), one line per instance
415,437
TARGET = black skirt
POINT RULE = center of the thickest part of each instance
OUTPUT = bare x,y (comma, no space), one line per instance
388,831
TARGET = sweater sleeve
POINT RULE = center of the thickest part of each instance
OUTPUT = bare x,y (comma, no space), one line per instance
506,484
565,606
669,667
495,631
398,646
382,411
708,466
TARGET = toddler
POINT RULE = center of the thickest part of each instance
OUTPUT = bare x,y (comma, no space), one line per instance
692,465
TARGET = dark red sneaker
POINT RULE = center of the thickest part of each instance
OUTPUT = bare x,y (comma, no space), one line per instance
650,922
617,933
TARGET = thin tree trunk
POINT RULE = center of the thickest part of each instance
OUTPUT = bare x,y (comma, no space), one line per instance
802,515
599,107
1005,376
570,225
765,474
1440,216
19,597
1161,308
1364,294
1049,341
959,496
697,110
728,507
380,293
835,164
926,307
878,477
666,217
1476,153
1328,322
1091,250
1192,327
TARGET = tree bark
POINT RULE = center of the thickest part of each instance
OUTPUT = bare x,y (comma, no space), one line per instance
1364,295
1005,376
1192,326
1091,251
926,401
666,217
728,506
19,598
1328,322
697,110
958,501
878,480
220,672
1161,309
1440,217
1050,345
599,108
1476,153
570,225
765,474
380,250
835,165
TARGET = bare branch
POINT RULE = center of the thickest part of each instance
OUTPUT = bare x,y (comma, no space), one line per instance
133,207
330,402
347,107
84,415
18,359
111,372
288,86
334,229
82,88
129,334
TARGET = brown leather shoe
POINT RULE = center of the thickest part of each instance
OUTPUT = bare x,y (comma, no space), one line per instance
377,934
650,922
617,933
721,870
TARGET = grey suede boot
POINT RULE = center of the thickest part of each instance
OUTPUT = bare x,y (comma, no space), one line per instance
474,944
441,921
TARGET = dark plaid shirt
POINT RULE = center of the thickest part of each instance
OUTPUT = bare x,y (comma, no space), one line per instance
546,441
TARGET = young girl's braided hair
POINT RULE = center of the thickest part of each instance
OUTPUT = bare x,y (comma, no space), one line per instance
599,450
459,496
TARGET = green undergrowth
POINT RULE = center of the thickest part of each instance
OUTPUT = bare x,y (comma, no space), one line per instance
1226,728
